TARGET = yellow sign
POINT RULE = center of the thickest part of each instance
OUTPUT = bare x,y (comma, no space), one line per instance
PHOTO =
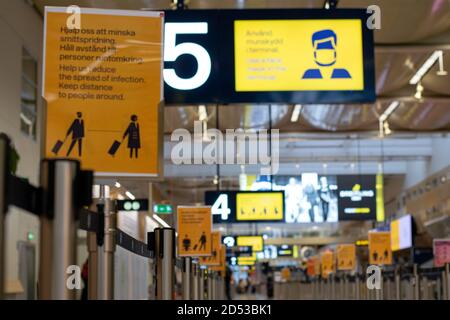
327,262
311,266
194,231
299,55
259,206
214,258
380,252
103,87
223,261
247,261
256,242
346,257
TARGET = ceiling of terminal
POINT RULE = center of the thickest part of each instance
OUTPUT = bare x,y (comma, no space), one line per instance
411,31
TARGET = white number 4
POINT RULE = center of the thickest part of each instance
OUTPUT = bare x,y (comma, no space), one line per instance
220,207
172,51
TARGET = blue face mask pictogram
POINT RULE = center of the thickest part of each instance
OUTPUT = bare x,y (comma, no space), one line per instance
325,44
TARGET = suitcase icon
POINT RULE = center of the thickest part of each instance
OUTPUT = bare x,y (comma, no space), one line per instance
57,147
115,146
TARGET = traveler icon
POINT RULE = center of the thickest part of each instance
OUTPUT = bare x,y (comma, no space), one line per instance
77,131
134,138
186,243
202,241
325,44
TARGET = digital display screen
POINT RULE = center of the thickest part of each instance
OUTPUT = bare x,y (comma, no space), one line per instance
401,233
259,206
256,242
268,56
246,206
298,55
309,198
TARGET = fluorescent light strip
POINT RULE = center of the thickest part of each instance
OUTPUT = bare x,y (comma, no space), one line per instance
387,113
296,112
425,67
161,221
130,195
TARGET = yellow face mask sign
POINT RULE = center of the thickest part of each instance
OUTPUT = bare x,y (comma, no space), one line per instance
259,206
103,88
327,263
380,251
194,231
346,257
214,258
299,55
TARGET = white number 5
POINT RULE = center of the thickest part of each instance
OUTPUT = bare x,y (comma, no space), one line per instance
172,51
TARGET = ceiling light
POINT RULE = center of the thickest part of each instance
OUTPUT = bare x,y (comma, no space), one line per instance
426,67
387,113
387,130
296,112
120,197
419,90
118,185
130,195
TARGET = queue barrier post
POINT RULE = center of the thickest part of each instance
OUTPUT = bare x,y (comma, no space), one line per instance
194,283
209,284
4,173
165,262
186,278
60,214
446,281
416,283
201,283
107,245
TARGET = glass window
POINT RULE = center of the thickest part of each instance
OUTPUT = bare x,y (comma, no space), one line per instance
28,113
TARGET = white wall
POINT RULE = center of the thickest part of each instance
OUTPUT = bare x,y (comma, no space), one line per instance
20,26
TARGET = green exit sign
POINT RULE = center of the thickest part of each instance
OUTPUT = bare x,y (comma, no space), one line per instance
162,209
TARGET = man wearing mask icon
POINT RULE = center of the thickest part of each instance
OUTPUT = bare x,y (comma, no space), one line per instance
325,44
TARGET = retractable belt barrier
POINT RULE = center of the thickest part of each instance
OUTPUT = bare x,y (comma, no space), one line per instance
91,221
60,200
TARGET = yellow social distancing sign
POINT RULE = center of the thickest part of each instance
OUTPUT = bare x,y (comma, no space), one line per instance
256,242
346,257
299,55
103,87
259,206
221,267
380,251
194,231
327,263
214,258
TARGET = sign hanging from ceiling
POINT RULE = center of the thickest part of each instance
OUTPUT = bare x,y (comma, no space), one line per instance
357,197
268,56
103,86
246,206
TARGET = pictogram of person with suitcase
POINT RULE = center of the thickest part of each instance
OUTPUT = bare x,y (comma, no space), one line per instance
77,131
134,139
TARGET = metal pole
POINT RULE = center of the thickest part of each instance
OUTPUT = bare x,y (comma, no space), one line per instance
446,283
92,266
186,278
397,286
107,247
4,169
209,282
201,284
165,266
357,287
58,229
195,273
416,283
214,286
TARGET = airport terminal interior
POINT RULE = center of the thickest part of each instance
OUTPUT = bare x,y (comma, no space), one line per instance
225,150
